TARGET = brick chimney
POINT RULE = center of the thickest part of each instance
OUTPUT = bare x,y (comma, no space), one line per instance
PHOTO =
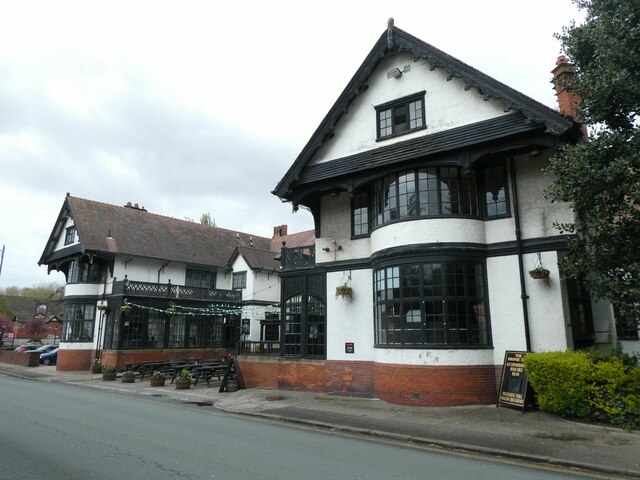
563,76
280,231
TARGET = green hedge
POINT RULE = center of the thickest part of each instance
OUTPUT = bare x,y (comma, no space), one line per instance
583,386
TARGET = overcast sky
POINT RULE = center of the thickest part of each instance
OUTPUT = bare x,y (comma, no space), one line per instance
191,107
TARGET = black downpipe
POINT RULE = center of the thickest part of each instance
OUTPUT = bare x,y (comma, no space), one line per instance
516,219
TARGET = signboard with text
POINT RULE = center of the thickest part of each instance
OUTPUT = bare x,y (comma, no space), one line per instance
513,386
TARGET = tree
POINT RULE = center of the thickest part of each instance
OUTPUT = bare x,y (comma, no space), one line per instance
42,291
36,329
600,177
205,219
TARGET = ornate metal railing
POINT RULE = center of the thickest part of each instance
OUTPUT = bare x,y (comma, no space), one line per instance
168,290
258,348
299,257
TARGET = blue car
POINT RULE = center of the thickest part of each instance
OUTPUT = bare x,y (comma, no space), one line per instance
49,358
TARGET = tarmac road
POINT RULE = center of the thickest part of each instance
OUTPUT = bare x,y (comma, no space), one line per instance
497,432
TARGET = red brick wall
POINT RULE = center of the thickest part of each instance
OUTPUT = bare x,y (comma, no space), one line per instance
347,376
307,375
69,360
24,359
262,374
401,384
435,385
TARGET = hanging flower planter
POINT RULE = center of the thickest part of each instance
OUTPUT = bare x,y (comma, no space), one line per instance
539,273
344,291
102,307
126,309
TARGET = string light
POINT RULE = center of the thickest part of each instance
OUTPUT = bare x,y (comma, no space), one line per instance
210,310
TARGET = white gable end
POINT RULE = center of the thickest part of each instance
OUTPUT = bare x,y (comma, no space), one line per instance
447,105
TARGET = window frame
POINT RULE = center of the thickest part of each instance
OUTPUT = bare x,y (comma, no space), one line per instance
70,235
386,207
241,282
406,306
482,184
199,278
626,328
72,325
357,203
400,105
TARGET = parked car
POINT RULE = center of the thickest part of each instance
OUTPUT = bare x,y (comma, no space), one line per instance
49,358
45,348
28,347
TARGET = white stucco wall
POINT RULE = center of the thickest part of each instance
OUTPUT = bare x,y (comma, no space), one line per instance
447,105
537,214
433,357
63,233
140,269
547,319
350,320
505,306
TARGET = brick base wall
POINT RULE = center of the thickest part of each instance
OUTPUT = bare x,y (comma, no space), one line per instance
74,360
417,385
24,359
435,385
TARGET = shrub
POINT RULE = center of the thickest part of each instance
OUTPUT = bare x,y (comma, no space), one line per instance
558,380
600,388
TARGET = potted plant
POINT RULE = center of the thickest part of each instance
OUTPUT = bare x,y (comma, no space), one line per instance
128,377
183,382
344,291
126,309
96,367
539,273
108,374
102,307
158,379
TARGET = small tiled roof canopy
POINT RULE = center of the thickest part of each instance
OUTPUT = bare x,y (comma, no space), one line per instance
107,229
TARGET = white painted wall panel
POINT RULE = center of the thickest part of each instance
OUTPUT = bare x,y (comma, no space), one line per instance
447,105
350,320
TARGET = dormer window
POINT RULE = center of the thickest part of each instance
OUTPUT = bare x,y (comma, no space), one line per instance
70,235
401,116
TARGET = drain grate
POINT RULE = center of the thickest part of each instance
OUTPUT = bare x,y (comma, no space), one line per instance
200,404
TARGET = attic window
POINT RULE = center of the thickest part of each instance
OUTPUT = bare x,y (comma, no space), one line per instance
70,235
400,116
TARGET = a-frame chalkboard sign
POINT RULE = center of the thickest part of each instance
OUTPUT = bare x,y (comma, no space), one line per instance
232,376
514,384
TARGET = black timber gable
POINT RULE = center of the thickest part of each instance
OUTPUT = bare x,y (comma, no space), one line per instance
394,41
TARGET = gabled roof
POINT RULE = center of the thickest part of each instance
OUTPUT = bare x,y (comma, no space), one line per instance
109,229
293,240
257,259
393,41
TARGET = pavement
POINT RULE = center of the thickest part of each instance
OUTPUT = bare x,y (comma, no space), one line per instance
532,436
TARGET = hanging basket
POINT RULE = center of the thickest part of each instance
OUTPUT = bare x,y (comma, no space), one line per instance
539,273
126,309
344,291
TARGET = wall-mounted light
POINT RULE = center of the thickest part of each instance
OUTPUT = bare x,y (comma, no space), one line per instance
394,73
